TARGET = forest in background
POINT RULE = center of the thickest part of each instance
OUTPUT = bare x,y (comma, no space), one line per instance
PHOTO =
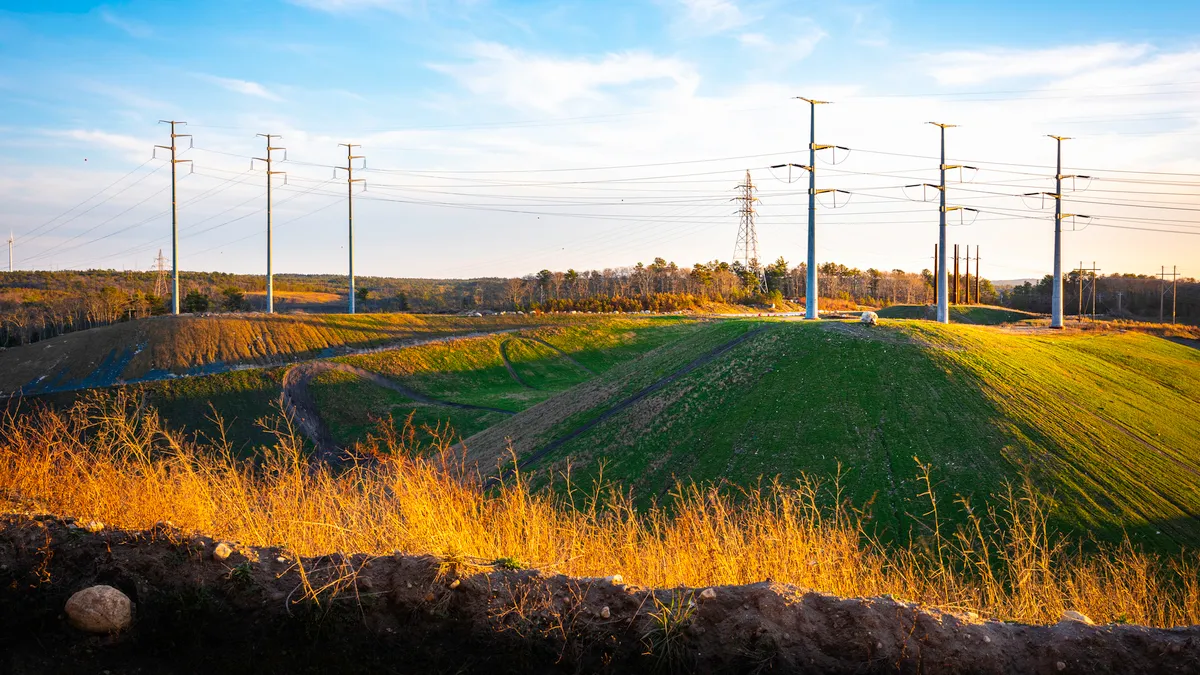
36,305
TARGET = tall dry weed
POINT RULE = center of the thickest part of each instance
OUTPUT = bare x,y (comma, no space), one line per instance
110,459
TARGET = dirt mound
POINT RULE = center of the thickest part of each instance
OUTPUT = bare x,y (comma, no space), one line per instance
255,611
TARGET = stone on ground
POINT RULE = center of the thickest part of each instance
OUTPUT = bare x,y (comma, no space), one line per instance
100,609
869,318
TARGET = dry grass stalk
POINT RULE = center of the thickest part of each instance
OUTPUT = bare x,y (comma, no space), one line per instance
110,460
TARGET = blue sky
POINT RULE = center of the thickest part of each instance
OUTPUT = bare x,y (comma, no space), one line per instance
504,137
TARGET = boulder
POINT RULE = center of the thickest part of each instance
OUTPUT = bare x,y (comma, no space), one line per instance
100,609
869,318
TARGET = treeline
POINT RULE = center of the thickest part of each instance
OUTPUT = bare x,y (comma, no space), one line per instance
38,305
1136,296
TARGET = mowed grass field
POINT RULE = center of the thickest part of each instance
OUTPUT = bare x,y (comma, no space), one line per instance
1107,424
508,372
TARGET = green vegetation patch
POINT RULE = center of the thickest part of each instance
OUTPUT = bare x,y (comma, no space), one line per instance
981,315
1105,423
353,407
241,398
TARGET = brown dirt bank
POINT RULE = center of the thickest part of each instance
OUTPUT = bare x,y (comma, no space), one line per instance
405,614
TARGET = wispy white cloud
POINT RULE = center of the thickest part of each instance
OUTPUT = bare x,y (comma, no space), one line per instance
132,27
245,87
94,138
977,67
801,39
547,83
708,17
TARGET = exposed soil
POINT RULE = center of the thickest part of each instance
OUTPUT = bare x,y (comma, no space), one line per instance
413,614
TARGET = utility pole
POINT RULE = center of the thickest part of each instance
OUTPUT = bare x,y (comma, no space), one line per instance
1056,296
935,276
350,181
955,284
1079,271
968,279
810,298
943,310
174,213
977,284
1119,294
1162,291
1094,283
10,249
267,160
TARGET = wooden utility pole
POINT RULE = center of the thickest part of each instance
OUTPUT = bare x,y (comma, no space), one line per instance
1162,291
977,285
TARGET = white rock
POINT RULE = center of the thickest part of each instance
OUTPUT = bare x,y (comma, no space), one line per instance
222,551
869,318
708,594
1072,615
605,613
615,579
1061,666
93,526
100,609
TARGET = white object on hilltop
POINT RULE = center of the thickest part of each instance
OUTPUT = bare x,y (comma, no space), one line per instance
100,609
869,318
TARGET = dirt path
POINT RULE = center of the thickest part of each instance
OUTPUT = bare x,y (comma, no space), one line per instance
508,364
641,394
307,415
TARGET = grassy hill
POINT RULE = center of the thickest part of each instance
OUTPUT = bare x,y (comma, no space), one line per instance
505,372
1105,422
983,315
195,345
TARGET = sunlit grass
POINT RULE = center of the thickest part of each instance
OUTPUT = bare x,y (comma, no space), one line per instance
107,459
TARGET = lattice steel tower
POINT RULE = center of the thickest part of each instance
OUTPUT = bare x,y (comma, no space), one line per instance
746,248
160,281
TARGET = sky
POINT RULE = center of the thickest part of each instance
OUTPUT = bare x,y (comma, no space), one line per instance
501,137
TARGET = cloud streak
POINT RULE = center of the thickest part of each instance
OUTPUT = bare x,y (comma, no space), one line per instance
545,83
244,87
977,67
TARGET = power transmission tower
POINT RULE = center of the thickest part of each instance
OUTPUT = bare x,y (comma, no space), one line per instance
174,212
350,181
267,160
1162,291
1056,297
1081,271
746,247
943,310
160,282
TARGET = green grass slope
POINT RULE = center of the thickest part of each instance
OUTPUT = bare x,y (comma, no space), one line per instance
203,344
542,363
983,315
1104,422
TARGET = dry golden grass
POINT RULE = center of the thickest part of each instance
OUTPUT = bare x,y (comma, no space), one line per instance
108,460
